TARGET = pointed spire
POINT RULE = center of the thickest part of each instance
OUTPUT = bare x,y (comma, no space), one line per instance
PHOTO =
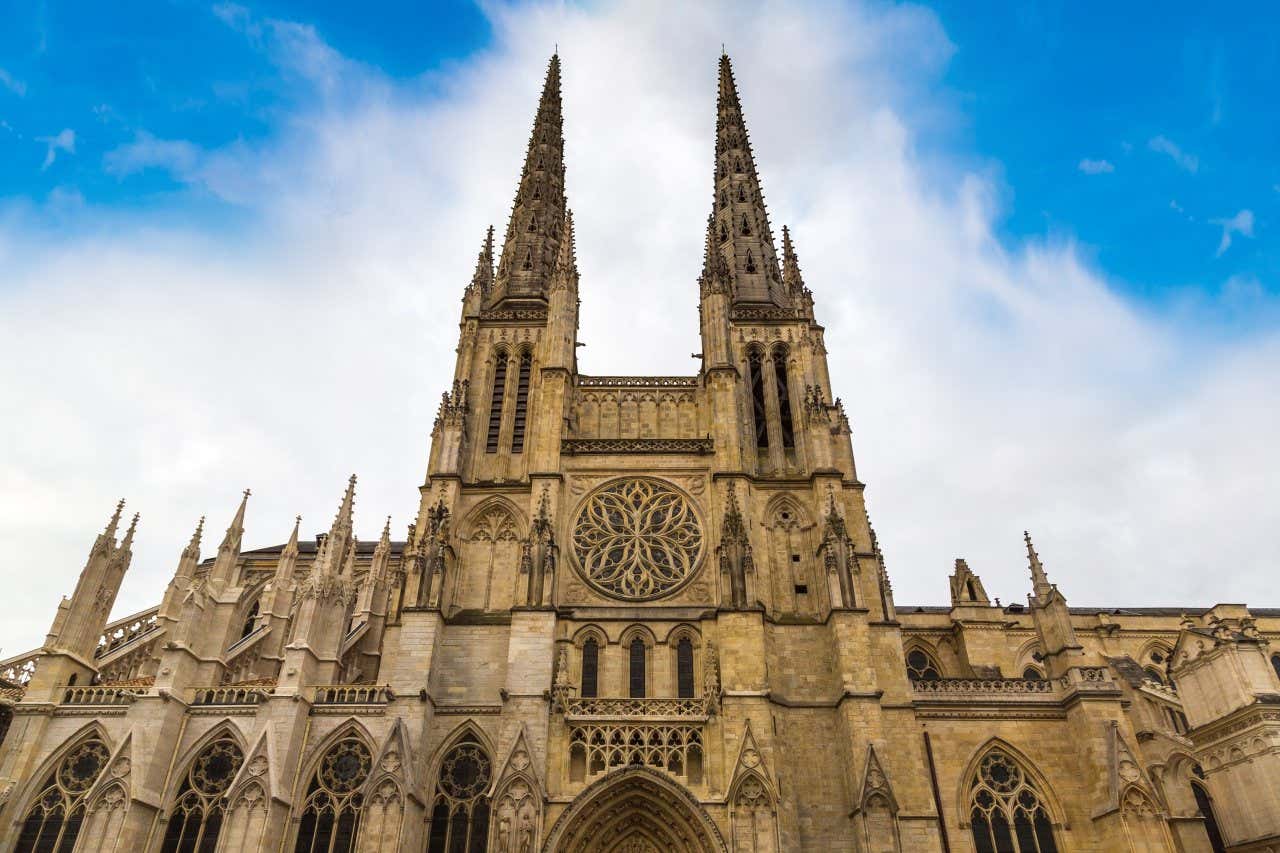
343,520
128,534
235,533
742,234
534,231
114,523
1039,580
482,278
792,280
291,547
566,272
193,547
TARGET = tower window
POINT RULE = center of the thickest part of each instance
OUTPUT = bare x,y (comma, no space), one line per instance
590,668
746,226
757,399
495,403
920,667
784,398
522,403
684,668
637,669
1275,664
528,259
751,261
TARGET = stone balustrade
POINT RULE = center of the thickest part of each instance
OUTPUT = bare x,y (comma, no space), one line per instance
629,708
124,631
977,687
100,695
353,694
230,696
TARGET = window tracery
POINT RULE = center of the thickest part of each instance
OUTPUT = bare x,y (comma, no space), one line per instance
331,812
590,669
758,411
54,820
922,667
1007,812
784,397
495,401
460,818
198,813
1275,664
637,539
676,749
1205,804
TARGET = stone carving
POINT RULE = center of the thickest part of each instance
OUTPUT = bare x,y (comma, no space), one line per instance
637,539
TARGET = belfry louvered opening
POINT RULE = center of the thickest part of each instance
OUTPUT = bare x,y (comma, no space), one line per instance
495,403
522,403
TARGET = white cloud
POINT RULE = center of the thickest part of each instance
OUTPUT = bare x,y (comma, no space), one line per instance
13,84
176,156
1186,162
65,140
1241,223
992,387
1096,167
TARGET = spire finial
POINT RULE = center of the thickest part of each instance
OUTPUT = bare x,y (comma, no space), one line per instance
114,522
196,535
1039,580
386,531
128,534
236,530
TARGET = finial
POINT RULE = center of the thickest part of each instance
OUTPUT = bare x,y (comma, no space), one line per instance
199,532
1039,580
133,525
115,519
386,530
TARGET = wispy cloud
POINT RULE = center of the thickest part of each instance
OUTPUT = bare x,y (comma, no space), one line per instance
176,156
1185,161
1096,167
13,84
1241,223
65,140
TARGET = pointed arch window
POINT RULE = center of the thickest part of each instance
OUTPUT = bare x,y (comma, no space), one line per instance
197,814
724,234
590,669
1205,803
742,193
746,226
754,368
684,668
1007,811
495,402
331,813
636,681
522,402
528,259
784,397
460,817
53,822
250,621
1275,664
1031,673
922,667
751,261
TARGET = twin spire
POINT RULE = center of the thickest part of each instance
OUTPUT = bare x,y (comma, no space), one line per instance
537,252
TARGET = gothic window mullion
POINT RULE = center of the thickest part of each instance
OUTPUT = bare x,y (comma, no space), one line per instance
512,375
772,420
519,425
494,430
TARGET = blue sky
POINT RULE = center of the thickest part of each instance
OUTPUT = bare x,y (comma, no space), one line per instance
1042,243
1146,137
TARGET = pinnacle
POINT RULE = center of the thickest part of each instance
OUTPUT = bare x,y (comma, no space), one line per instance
386,533
291,547
193,547
115,520
128,534
791,276
236,530
347,506
483,276
1039,580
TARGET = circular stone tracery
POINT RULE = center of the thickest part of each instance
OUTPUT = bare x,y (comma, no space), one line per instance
637,539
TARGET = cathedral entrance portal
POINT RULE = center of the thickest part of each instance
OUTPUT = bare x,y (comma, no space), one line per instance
636,810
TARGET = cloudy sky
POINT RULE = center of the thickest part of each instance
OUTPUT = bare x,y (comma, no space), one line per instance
233,240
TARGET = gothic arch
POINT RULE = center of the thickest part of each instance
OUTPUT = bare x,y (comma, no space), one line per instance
916,670
591,629
249,796
224,727
467,729
635,805
753,814
1050,800
194,806
461,784
489,554
39,776
387,793
329,801
43,789
795,583
517,796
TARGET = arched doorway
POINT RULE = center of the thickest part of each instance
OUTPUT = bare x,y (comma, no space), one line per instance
635,810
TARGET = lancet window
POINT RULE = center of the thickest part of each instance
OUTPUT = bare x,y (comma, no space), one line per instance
1205,803
684,668
590,669
1031,673
495,403
331,812
636,680
1007,811
522,403
758,410
250,621
1275,664
460,817
922,667
53,822
198,812
784,397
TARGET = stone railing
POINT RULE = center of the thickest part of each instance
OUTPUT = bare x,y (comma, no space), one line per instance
353,694
974,687
19,668
230,696
681,709
124,631
100,695
700,446
1164,691
637,381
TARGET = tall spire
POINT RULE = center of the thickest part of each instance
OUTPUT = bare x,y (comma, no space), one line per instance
742,233
534,230
291,547
1039,580
114,522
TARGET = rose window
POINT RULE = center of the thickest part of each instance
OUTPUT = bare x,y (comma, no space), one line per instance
637,539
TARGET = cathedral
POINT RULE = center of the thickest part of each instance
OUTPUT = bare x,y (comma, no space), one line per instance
631,614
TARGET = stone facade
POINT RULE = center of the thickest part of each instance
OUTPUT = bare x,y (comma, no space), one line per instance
631,615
